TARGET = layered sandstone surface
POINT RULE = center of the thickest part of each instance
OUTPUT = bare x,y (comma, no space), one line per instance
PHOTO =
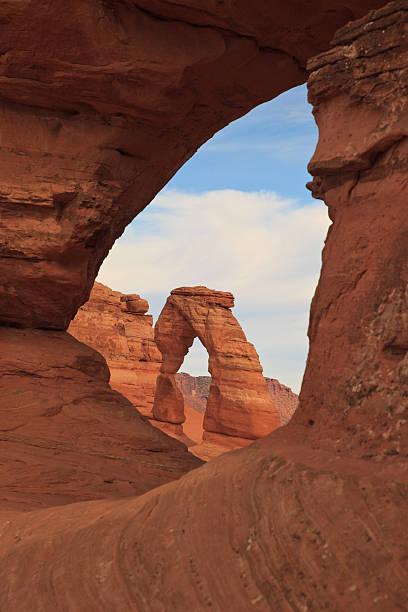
118,327
65,436
356,377
195,390
312,516
270,527
238,404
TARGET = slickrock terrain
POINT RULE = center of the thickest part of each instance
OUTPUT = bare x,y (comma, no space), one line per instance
65,436
238,404
116,325
195,390
101,104
285,529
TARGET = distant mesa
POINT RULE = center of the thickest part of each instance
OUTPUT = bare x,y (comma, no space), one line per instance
234,407
195,390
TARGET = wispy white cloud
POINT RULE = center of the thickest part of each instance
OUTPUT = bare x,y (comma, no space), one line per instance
282,149
263,248
294,113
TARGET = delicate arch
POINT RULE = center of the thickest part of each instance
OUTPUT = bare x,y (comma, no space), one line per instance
239,403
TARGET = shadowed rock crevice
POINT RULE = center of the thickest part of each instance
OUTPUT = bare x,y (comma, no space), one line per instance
116,325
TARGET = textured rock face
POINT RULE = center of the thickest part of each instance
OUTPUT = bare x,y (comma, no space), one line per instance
116,325
195,390
281,532
287,524
65,435
356,377
285,400
115,71
238,402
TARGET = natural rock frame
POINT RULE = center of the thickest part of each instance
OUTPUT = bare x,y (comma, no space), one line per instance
314,514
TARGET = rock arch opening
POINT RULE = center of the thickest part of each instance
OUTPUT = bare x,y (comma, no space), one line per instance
239,404
194,380
237,217
313,515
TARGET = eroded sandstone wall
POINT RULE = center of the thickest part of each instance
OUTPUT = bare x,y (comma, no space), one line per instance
117,326
356,375
195,390
285,400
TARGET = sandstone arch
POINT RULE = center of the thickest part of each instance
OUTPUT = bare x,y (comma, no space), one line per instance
239,403
311,515
115,71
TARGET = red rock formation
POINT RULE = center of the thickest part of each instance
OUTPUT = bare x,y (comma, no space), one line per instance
116,325
285,400
195,390
238,403
356,376
116,72
281,532
101,107
65,435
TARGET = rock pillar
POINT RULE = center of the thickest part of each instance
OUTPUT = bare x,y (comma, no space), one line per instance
355,391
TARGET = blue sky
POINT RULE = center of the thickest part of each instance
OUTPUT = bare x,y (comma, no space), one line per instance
268,149
237,217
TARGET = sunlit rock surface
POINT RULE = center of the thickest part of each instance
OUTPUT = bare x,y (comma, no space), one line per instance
117,326
238,403
314,515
